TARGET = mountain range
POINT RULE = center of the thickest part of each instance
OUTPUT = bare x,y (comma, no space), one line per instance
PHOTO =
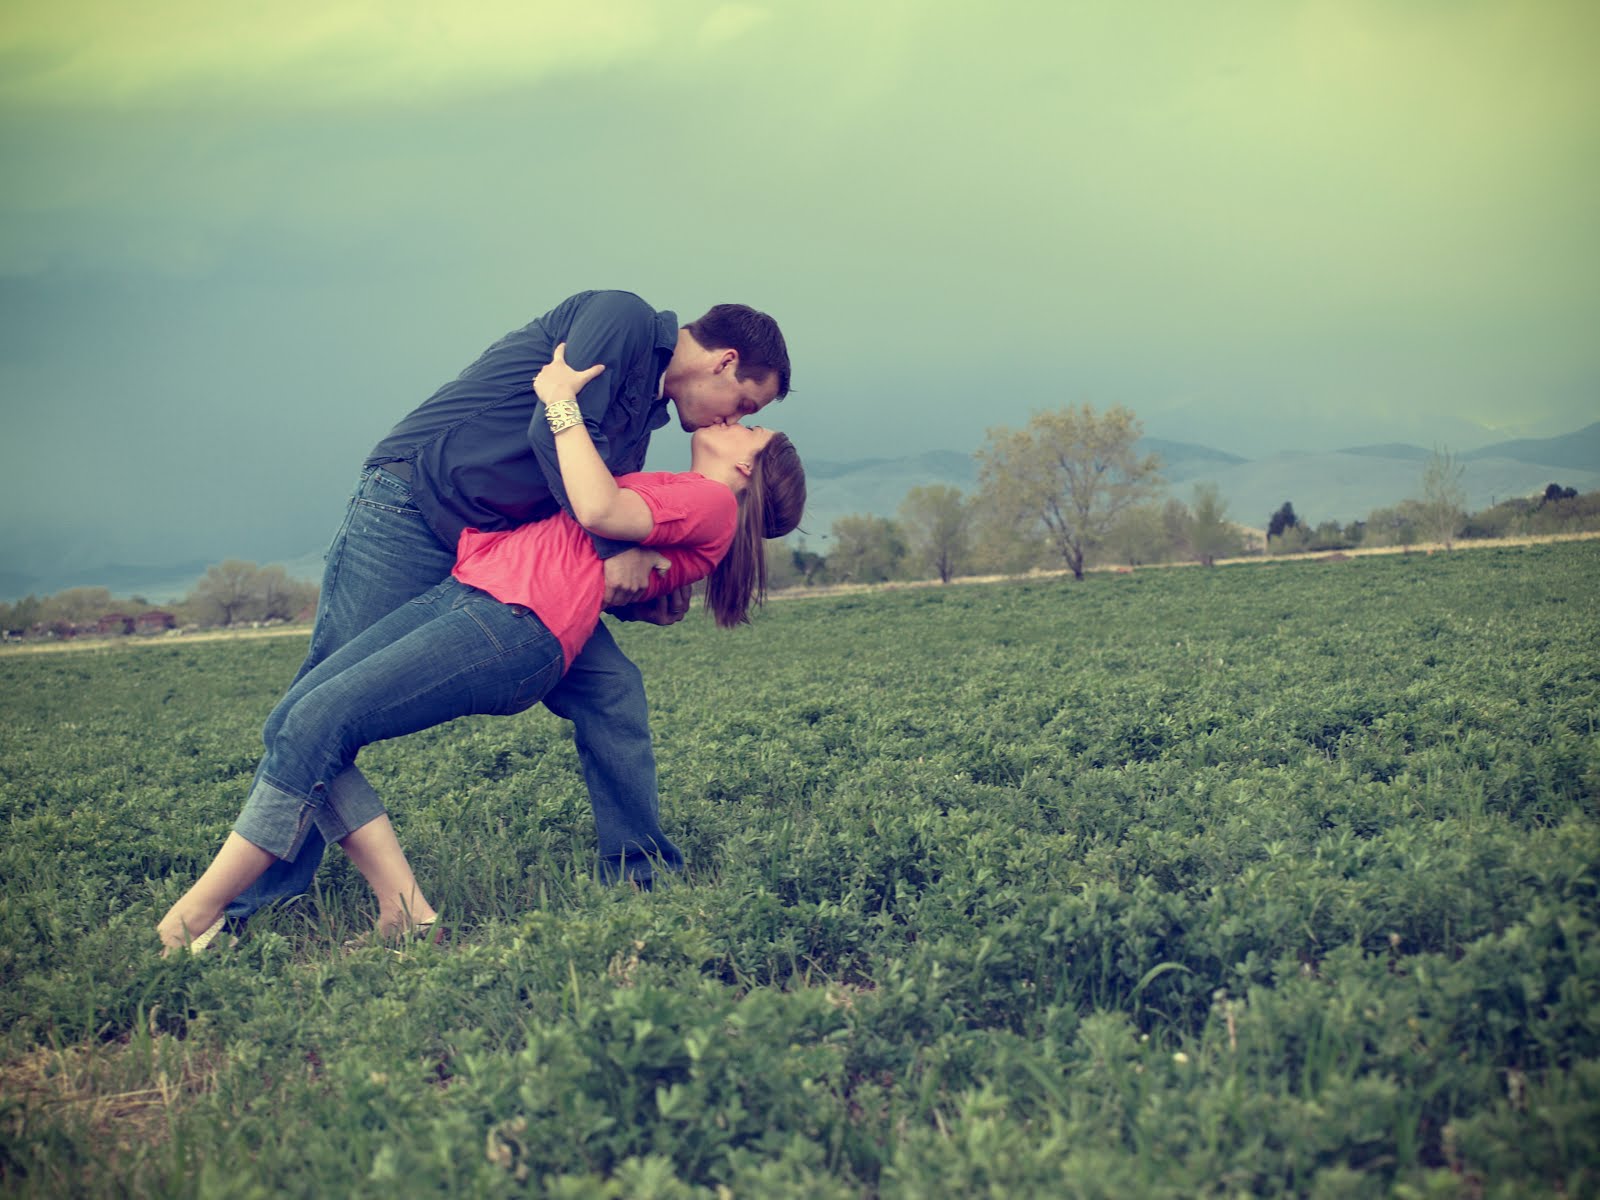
1343,485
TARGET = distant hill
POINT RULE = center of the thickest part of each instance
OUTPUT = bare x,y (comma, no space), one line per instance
1393,450
875,486
1579,451
1343,485
935,462
159,585
1175,454
1573,451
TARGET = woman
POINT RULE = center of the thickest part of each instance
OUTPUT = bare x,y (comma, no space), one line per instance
494,638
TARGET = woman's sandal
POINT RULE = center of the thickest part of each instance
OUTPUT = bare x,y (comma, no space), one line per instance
199,943
434,933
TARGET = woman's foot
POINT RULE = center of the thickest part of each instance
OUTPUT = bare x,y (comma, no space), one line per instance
237,865
395,934
402,908
188,925
415,926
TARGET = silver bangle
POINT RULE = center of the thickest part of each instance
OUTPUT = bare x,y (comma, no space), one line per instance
562,414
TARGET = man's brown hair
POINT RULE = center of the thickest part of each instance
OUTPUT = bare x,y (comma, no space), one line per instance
753,334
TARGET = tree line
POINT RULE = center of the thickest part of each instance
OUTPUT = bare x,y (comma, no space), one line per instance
230,593
1070,491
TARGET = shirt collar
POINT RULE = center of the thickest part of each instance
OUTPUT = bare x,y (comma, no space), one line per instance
667,331
666,343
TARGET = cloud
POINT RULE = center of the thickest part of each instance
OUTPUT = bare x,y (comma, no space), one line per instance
731,22
93,54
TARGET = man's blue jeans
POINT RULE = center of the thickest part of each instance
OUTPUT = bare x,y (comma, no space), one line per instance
384,555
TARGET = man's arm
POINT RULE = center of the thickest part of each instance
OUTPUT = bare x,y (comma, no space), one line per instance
610,330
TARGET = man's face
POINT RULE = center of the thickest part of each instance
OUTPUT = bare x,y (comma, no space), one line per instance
713,394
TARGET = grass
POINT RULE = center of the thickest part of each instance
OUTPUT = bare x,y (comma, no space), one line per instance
1172,884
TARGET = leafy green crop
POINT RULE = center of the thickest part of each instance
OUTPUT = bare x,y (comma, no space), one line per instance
1277,879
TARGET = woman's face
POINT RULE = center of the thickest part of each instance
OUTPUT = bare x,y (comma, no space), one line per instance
737,444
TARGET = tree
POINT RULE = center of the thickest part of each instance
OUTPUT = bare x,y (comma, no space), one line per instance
811,567
1175,524
23,615
78,606
279,598
1282,521
226,592
1395,526
935,521
866,549
781,571
1568,512
792,566
1139,535
1001,546
1211,534
1441,513
1072,472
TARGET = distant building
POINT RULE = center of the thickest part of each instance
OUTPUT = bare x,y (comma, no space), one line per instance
154,621
115,624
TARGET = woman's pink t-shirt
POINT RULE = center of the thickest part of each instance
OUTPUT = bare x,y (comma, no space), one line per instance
551,566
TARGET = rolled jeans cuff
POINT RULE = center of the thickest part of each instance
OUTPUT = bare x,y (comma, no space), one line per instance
278,820
348,804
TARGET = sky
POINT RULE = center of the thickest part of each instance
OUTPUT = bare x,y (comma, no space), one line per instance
239,241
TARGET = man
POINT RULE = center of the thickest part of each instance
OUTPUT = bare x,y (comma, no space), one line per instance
477,454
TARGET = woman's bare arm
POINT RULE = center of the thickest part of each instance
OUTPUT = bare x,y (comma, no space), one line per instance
598,504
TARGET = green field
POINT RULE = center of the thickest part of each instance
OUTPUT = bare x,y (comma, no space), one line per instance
1273,879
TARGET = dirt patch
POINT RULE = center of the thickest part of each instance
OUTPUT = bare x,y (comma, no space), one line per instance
118,1096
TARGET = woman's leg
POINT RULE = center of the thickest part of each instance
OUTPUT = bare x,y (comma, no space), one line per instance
327,717
279,823
451,652
377,855
237,865
383,555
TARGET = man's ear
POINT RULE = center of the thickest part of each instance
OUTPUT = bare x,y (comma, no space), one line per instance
727,359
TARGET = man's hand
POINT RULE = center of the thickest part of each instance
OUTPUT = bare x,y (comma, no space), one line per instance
663,610
628,575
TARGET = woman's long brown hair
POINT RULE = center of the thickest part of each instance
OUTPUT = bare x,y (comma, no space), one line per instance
769,507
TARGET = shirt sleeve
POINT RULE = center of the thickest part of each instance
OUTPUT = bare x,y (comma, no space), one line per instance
695,520
613,328
689,511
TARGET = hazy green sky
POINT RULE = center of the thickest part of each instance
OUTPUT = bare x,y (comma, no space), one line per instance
237,242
